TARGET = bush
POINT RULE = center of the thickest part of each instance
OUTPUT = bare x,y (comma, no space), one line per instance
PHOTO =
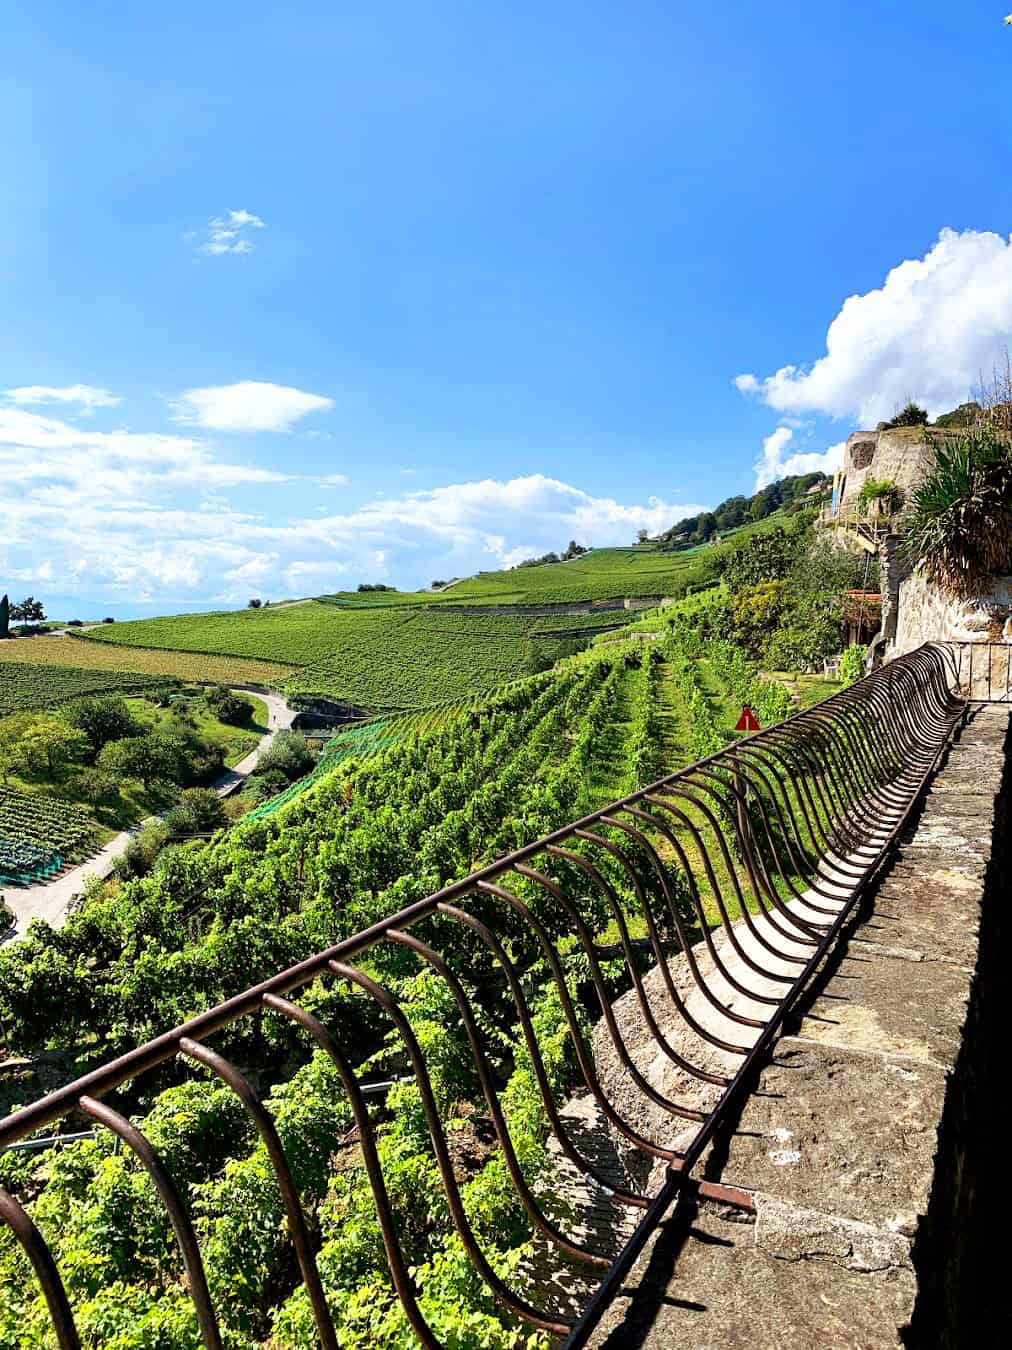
139,856
913,415
199,811
226,706
882,490
287,755
852,663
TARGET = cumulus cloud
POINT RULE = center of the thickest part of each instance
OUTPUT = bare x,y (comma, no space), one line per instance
85,396
250,405
775,463
927,333
230,233
147,517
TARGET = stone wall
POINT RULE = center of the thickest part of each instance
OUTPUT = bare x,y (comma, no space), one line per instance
926,613
901,455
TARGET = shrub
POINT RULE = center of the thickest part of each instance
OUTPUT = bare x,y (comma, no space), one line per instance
288,754
139,856
959,527
882,490
913,415
226,706
852,663
199,811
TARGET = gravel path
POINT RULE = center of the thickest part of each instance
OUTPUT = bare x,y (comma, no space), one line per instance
52,900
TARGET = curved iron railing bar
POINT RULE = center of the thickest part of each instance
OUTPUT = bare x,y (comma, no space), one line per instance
178,1217
655,939
728,924
686,946
752,768
807,862
404,1285
707,935
267,1130
577,860
33,1244
597,979
584,1060
458,1213
527,1198
661,800
523,1011
660,1204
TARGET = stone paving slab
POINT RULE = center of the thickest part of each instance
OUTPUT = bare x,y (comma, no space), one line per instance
744,1284
934,911
842,1132
874,1002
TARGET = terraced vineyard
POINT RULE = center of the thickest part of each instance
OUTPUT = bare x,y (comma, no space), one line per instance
82,653
26,688
37,833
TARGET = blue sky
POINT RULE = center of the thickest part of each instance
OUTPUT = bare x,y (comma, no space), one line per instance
454,282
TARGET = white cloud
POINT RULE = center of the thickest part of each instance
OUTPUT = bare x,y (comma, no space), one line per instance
250,405
85,395
927,333
145,517
775,464
229,233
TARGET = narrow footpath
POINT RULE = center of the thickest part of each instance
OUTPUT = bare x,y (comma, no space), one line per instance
52,900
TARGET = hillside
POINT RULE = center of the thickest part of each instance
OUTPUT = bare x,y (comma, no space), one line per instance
388,650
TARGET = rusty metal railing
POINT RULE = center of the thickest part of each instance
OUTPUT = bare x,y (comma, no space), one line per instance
748,861
983,670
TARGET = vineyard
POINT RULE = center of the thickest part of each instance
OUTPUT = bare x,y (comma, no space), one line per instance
81,653
27,688
38,833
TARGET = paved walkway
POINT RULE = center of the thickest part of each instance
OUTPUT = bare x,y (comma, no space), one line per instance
52,900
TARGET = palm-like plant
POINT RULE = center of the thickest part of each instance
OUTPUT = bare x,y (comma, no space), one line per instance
959,528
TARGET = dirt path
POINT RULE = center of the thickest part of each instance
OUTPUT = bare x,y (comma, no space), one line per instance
52,900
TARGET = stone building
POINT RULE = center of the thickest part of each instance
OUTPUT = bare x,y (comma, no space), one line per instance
900,455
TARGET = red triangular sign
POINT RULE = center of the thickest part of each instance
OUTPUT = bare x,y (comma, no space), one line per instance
747,721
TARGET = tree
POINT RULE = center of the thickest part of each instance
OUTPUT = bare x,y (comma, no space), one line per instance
5,618
29,610
288,754
255,603
48,742
146,758
12,755
102,720
913,415
642,535
763,557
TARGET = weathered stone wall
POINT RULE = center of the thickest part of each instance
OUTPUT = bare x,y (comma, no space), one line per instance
926,613
901,455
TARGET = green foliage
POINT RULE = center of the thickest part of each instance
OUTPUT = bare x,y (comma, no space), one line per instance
198,811
227,707
959,526
759,559
102,720
288,755
962,418
913,415
881,490
852,663
142,852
